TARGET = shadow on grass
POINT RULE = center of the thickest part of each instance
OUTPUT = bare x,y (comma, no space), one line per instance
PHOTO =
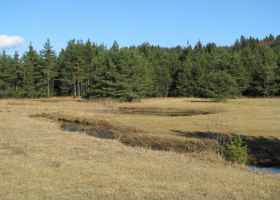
199,101
262,151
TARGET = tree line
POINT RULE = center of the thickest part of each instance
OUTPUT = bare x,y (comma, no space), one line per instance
250,67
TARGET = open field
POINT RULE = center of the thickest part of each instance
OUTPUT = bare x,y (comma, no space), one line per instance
39,161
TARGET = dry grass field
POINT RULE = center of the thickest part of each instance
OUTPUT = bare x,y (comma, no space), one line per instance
40,161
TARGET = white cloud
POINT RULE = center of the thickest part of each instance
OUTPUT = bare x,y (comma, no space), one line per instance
10,42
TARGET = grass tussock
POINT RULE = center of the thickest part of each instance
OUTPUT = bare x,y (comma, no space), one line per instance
107,103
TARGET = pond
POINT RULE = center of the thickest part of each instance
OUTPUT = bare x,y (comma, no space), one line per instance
74,127
266,169
88,129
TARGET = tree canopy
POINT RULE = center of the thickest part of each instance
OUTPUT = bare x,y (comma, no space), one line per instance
250,67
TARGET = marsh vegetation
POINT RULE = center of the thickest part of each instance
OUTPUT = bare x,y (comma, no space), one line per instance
147,156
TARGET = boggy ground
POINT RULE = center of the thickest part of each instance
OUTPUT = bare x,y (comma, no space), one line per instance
39,161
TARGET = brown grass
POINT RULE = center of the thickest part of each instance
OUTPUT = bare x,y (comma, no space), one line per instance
39,161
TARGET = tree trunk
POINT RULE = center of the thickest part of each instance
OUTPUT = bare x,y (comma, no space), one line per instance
79,92
75,92
166,90
48,86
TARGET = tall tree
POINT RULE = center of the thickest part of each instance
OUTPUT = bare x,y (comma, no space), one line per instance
243,42
219,85
238,72
236,46
269,64
31,65
48,66
183,82
89,53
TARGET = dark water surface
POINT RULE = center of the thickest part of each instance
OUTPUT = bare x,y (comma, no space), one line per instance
172,113
75,127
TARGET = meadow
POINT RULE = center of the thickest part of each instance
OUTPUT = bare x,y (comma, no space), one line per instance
147,157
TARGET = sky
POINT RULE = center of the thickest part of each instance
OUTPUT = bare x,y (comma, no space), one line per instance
132,22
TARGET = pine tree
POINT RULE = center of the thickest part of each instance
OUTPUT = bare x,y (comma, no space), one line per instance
219,85
238,72
163,75
236,46
18,77
48,66
80,66
183,83
269,64
69,61
243,42
89,53
252,64
3,74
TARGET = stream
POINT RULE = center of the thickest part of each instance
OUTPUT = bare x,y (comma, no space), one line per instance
89,129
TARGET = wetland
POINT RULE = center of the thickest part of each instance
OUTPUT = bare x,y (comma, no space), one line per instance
35,151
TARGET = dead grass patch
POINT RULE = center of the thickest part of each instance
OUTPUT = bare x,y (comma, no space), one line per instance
108,103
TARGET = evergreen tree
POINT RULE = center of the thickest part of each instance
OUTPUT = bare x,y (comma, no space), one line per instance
48,67
18,75
183,83
271,37
243,42
236,46
276,42
70,70
251,68
252,64
31,65
80,66
219,85
89,53
252,43
3,74
187,52
210,47
238,72
269,64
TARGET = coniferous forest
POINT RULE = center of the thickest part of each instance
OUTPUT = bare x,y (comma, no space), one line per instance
249,67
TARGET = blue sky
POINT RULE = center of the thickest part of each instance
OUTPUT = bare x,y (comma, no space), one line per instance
132,22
